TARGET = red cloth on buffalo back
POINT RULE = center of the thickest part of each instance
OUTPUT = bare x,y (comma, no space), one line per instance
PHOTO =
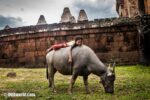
58,46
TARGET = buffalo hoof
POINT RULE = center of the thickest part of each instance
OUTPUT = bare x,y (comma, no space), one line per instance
88,92
54,91
69,92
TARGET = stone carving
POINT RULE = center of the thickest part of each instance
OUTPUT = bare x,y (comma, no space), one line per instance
73,20
127,8
41,20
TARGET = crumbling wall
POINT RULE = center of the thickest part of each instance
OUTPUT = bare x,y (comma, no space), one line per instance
109,38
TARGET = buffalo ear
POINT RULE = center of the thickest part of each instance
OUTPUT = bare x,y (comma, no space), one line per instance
109,66
112,68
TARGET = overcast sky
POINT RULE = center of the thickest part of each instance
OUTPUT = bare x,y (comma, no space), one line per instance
17,13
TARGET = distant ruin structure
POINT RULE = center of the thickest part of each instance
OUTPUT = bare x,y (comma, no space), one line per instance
41,20
82,16
67,16
7,27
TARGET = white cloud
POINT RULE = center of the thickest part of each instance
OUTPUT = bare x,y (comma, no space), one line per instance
97,8
30,10
11,21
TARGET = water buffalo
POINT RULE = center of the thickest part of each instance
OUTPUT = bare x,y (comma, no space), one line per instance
85,62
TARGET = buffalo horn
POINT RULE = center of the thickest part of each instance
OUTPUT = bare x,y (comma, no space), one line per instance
114,64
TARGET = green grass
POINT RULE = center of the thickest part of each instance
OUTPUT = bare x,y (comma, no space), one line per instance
132,83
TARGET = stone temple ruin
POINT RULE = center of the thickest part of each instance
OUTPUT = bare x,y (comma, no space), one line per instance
67,17
82,16
41,20
127,40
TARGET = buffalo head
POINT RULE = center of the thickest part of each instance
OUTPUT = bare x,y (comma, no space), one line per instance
108,79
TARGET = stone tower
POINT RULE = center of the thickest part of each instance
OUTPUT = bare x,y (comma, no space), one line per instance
41,20
82,16
7,27
66,16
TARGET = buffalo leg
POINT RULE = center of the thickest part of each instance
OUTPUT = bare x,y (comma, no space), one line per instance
73,79
85,79
52,72
53,85
49,77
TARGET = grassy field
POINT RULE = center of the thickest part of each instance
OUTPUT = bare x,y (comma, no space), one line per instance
132,83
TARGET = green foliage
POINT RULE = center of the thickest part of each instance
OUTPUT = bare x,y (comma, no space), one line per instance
132,83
